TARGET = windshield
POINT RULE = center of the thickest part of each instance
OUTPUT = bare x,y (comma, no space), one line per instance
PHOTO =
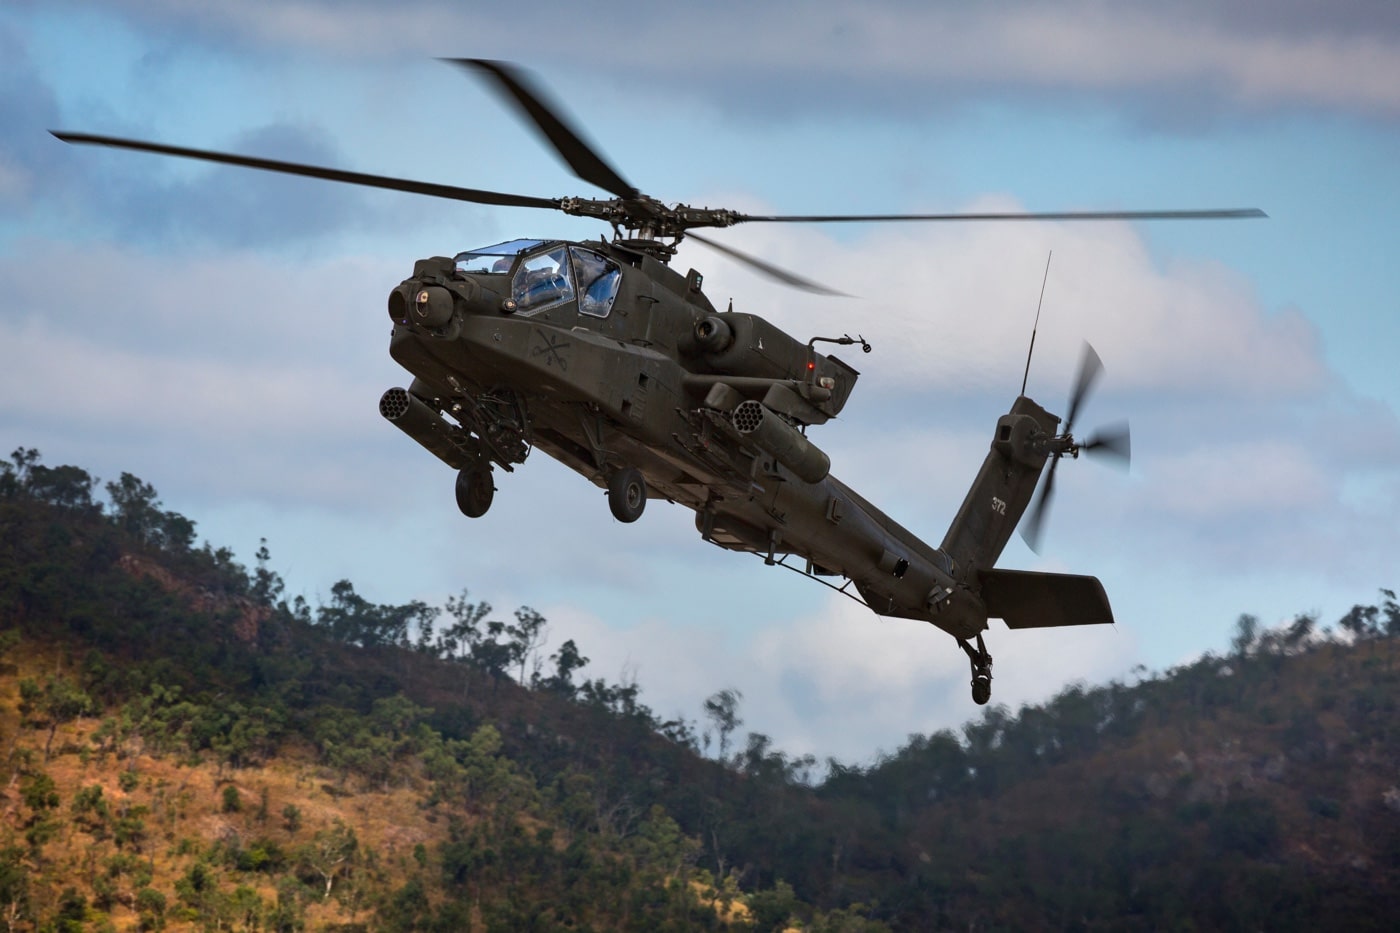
543,281
598,280
497,258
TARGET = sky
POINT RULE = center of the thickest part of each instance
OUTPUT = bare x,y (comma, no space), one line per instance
220,332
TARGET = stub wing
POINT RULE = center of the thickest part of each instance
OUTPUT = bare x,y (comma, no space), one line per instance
1027,599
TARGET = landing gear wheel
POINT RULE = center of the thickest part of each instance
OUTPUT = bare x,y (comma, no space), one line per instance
627,494
981,670
475,491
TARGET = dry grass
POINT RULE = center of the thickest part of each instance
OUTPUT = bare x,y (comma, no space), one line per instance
185,814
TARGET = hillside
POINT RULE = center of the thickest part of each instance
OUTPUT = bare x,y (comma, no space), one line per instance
187,750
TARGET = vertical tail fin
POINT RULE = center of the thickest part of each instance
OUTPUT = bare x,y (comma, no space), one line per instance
1003,487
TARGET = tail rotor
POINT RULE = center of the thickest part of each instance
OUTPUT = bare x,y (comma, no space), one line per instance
1113,442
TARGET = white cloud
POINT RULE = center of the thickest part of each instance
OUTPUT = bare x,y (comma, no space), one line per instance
843,682
1200,56
1236,481
950,307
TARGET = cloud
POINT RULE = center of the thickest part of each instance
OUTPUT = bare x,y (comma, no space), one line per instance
152,199
950,307
25,102
228,361
157,200
842,682
1179,63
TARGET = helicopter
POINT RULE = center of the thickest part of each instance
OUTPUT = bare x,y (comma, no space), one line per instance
607,359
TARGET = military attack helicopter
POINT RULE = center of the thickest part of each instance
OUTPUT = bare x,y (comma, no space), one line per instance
606,358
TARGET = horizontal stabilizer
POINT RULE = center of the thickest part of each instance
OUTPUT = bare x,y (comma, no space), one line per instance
1026,599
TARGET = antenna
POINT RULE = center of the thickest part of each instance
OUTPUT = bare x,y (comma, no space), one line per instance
1036,325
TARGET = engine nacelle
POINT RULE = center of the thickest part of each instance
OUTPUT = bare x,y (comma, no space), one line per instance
748,347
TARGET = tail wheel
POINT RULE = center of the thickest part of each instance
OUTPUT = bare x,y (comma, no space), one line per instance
475,491
981,669
627,494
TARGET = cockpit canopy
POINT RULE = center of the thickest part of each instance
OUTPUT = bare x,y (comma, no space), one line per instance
498,258
548,273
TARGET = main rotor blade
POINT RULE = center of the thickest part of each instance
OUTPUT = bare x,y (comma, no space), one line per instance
768,269
1035,516
519,90
1229,213
1090,366
452,192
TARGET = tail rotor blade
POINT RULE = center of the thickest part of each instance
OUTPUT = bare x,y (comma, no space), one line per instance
1113,441
1090,367
1035,517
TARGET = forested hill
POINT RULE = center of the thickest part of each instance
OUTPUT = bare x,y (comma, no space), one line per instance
185,749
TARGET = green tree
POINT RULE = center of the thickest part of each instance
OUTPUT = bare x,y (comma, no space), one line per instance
1391,610
566,660
723,710
72,910
772,909
150,904
14,887
331,854
57,702
267,585
1361,622
232,800
14,473
459,640
138,512
67,487
353,619
39,792
291,818
526,636
1299,632
1246,634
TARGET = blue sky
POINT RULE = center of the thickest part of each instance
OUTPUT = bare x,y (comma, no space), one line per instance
220,333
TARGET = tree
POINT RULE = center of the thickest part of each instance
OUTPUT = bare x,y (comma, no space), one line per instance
1246,634
39,792
67,487
137,511
267,584
493,654
331,854
1392,614
459,640
566,660
1300,631
14,473
355,620
1361,622
526,636
14,886
723,710
59,701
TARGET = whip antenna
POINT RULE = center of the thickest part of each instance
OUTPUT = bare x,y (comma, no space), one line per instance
1043,280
